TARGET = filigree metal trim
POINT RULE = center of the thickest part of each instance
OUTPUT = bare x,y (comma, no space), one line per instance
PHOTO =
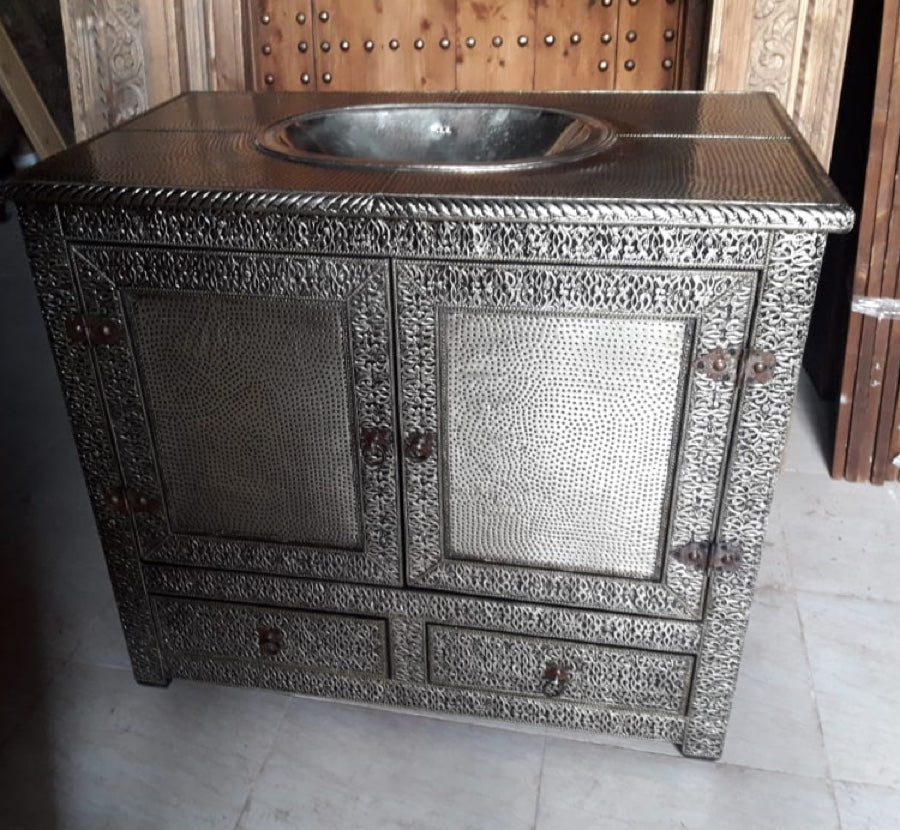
760,435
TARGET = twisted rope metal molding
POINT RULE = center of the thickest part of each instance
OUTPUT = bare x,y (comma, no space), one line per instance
765,216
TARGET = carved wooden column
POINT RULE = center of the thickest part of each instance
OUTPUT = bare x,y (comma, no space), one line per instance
794,48
125,56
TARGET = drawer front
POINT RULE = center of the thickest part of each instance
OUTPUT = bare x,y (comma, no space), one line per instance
317,642
580,672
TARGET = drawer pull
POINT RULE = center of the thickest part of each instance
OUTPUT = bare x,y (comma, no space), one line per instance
556,678
270,641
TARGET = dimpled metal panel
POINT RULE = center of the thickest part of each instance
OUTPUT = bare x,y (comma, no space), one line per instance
487,660
323,642
559,437
249,404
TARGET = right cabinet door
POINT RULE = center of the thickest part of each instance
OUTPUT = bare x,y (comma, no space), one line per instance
565,428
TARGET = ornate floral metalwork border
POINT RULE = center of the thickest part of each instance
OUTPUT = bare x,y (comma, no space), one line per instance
760,435
60,298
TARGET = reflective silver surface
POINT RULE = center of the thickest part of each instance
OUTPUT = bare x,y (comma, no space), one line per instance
556,456
476,136
709,210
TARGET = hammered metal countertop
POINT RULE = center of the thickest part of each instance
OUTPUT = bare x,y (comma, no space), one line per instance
706,148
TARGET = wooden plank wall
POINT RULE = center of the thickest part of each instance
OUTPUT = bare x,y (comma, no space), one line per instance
127,55
868,429
473,44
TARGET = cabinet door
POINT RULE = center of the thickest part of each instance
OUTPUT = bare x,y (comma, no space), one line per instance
560,439
250,399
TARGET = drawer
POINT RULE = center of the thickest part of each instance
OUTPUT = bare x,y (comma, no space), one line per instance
580,672
301,639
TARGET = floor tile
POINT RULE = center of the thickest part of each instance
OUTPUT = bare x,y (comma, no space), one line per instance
808,449
774,723
855,661
637,744
22,691
107,753
774,569
103,643
337,767
587,786
839,537
863,807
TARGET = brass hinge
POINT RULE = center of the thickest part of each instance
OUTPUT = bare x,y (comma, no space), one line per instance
89,328
130,501
703,556
756,366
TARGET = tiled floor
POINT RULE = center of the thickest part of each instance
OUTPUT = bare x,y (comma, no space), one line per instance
814,739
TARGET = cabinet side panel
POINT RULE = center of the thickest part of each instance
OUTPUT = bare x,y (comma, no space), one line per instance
59,298
760,435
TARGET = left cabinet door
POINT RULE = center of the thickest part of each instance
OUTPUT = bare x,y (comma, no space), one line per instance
251,407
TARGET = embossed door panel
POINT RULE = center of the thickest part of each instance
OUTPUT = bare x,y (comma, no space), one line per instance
560,439
253,426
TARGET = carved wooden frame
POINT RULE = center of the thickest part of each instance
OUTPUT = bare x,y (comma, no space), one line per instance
793,48
125,56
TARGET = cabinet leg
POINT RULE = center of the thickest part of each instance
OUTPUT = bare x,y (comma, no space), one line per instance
704,738
160,682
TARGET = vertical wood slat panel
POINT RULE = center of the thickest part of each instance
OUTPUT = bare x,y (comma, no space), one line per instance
728,50
878,388
879,186
820,72
645,58
213,44
891,452
276,31
585,34
482,65
887,437
692,44
418,62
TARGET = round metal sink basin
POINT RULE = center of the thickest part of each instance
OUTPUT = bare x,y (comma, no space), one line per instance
474,137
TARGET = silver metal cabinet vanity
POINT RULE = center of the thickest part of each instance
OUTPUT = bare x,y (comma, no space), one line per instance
492,442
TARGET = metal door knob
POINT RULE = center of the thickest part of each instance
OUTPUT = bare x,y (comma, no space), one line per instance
270,641
555,678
